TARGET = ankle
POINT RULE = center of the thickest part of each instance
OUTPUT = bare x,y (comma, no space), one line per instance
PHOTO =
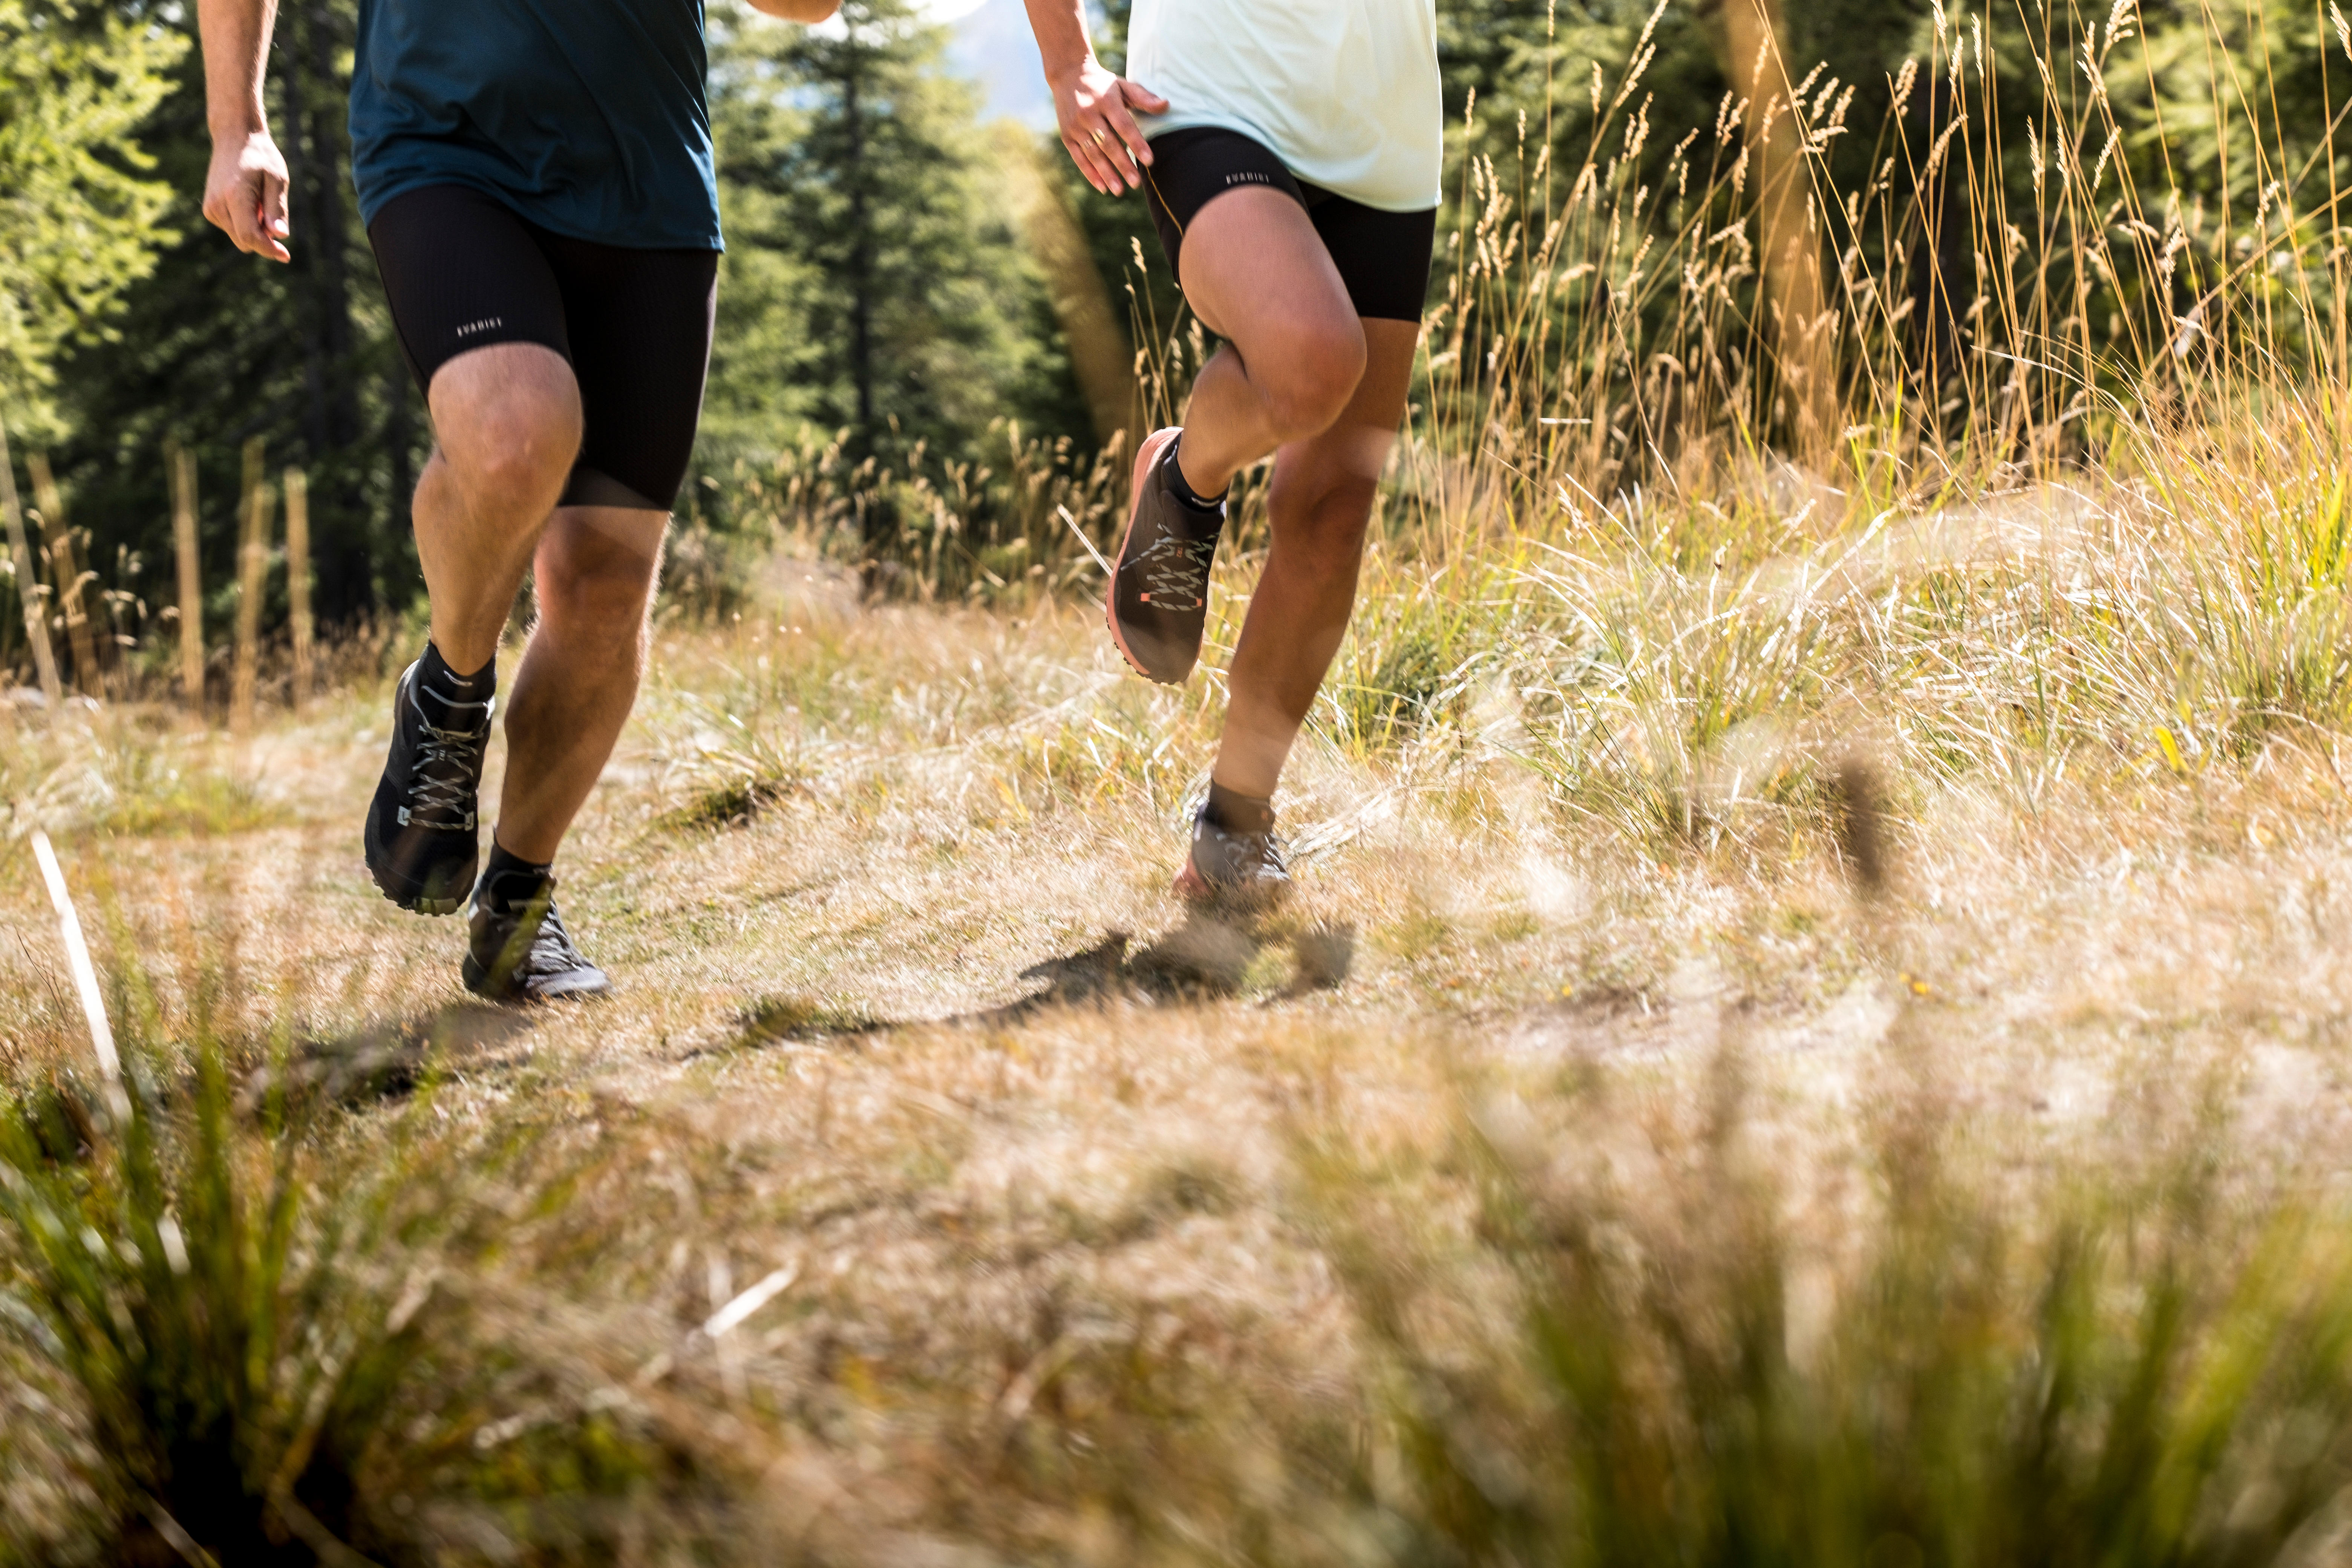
508,880
1238,813
475,664
1193,488
452,699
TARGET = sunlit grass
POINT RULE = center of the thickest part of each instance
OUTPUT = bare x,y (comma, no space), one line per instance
1813,1027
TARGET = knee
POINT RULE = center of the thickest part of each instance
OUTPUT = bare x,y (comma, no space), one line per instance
1309,384
1323,534
509,423
1321,513
512,465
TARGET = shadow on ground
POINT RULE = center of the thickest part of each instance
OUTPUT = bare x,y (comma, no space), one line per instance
1207,958
384,1061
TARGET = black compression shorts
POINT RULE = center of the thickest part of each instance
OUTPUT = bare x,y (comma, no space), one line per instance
463,271
1382,256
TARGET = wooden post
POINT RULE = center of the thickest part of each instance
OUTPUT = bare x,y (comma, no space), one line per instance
182,464
36,622
298,578
252,563
65,572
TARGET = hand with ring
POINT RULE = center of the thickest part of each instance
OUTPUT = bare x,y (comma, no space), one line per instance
1095,108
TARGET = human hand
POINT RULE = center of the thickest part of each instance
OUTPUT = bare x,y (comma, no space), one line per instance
245,194
1093,107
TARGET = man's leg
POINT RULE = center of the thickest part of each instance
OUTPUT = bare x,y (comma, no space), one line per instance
595,570
1321,499
507,424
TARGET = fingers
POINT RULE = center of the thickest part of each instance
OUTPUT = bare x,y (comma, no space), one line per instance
240,214
1104,140
1118,152
271,213
1086,149
249,223
253,213
1133,148
1141,96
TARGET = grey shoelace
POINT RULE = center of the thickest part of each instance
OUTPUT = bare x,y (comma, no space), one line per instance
444,780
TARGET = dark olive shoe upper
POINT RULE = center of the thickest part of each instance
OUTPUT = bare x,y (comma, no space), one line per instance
1160,583
423,836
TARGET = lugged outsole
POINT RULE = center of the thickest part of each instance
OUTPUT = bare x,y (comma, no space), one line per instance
1145,456
402,893
415,903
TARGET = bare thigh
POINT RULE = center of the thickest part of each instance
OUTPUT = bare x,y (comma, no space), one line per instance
1258,274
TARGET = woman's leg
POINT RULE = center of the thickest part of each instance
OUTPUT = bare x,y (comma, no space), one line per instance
1257,274
1321,499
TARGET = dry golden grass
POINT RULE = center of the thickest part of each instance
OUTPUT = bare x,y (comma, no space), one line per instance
905,1013
1812,1029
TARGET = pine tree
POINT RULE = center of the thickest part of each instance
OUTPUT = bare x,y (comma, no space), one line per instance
898,303
215,347
80,221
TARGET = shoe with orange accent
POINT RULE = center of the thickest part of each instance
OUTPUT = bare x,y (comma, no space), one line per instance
1237,869
1158,603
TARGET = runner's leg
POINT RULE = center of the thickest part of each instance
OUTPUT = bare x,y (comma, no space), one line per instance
506,426
640,325
1320,501
595,570
479,318
1258,274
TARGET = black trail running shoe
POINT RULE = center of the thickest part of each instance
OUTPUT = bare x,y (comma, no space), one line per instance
421,832
1244,870
1158,603
519,951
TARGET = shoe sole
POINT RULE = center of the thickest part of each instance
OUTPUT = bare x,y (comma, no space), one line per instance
477,981
1145,456
416,898
1198,892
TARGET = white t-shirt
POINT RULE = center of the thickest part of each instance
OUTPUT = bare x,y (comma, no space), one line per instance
1345,92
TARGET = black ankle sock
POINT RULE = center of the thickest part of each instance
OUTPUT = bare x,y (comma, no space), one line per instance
1238,813
508,880
446,695
1174,472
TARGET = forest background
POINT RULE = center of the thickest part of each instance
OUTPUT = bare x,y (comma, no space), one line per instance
901,283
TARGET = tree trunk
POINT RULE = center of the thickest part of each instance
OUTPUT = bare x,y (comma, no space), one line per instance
1789,244
309,240
329,229
861,255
